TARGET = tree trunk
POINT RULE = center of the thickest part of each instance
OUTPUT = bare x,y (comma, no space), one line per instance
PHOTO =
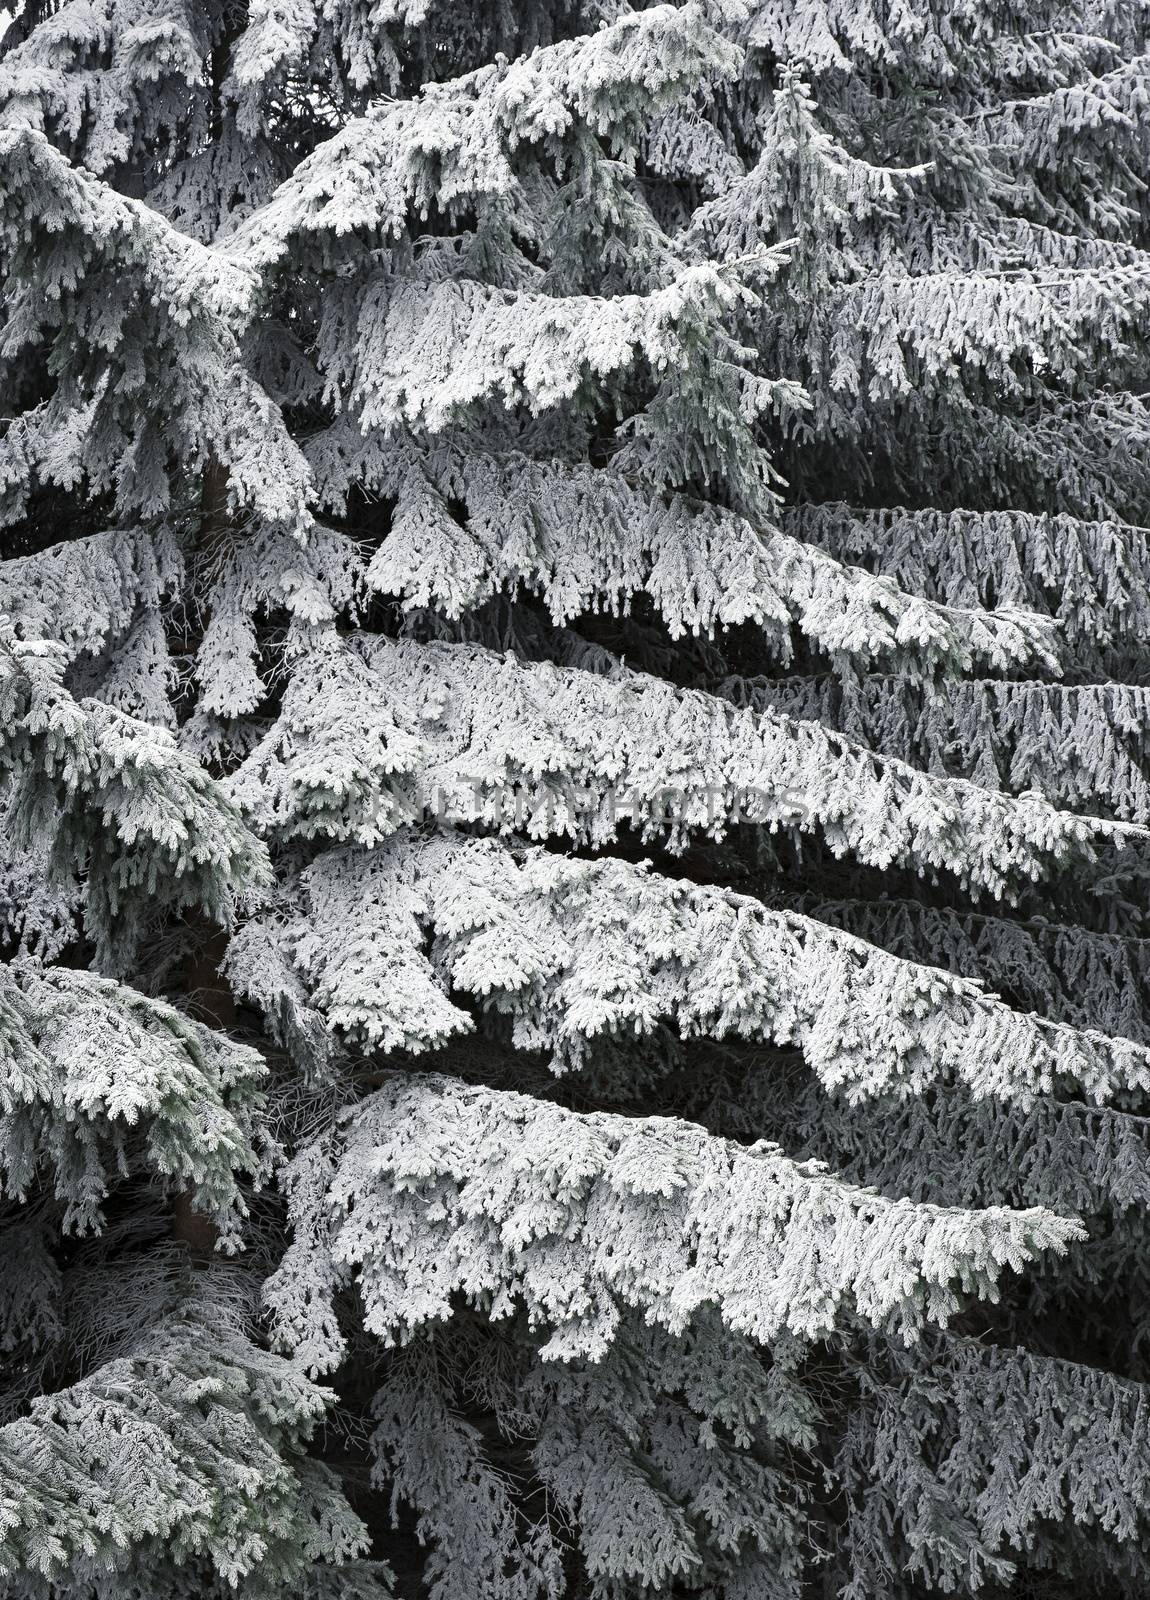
212,1002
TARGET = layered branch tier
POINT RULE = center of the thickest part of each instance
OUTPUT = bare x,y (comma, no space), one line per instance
448,450
585,539
374,944
1072,1456
431,1189
1066,972
1085,746
1092,576
454,147
374,733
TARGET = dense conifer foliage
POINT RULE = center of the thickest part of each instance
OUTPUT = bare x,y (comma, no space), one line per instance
574,800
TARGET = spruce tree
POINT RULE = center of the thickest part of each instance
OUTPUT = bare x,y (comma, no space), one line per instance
574,788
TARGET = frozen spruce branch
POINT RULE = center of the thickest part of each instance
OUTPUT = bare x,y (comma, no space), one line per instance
243,579
941,243
376,943
833,37
179,1467
664,1479
547,306
881,330
40,911
1093,576
989,455
432,1189
685,143
1084,746
945,1146
102,598
376,733
1086,979
1086,136
137,675
98,1080
453,147
586,539
30,1322
154,364
965,1459
86,594
690,1472
89,75
424,351
99,792
192,282
434,348
432,1459
804,183
112,83
887,335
